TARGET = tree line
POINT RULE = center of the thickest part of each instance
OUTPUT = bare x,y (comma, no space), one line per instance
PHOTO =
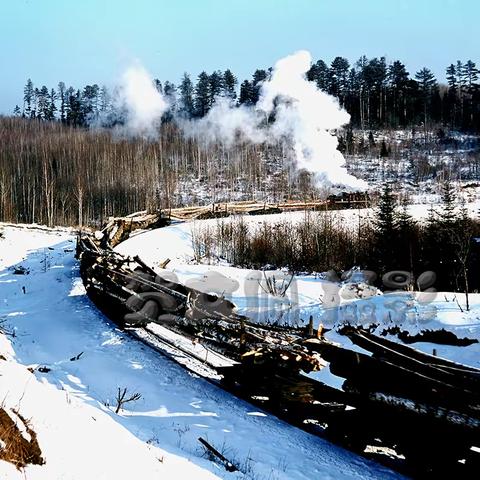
376,93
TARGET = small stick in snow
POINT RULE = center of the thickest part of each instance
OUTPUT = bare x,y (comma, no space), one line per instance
164,263
229,466
76,357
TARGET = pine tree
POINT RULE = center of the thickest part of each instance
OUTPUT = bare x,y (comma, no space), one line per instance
246,93
319,73
187,107
470,74
398,82
215,87
158,85
384,150
104,99
427,84
408,245
17,112
202,95
431,235
339,71
452,94
69,101
462,241
446,231
28,98
258,77
448,214
229,84
52,108
170,94
43,104
75,113
386,230
90,101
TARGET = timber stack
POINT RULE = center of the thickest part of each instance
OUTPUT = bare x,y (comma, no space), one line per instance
392,397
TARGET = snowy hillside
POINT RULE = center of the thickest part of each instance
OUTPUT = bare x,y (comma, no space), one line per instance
62,363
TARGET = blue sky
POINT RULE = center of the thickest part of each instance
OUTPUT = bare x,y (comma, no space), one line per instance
92,41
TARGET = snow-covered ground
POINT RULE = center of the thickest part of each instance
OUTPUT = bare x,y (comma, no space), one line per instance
71,405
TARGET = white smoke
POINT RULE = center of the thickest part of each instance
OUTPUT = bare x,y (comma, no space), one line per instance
301,112
142,103
227,123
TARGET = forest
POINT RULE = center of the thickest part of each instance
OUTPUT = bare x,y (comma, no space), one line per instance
377,94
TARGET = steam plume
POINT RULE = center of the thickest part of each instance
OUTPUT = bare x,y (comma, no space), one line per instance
141,101
300,112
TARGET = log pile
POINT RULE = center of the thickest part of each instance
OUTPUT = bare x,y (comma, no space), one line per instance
218,210
423,407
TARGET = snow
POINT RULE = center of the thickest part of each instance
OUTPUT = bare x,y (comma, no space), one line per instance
71,406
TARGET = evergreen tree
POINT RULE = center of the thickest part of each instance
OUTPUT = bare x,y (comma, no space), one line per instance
17,112
69,94
339,71
258,77
386,230
202,95
158,85
408,239
246,93
52,108
448,214
427,84
452,94
229,84
470,74
398,83
215,87
104,99
319,73
43,104
384,150
187,107
90,101
446,231
462,242
170,93
75,112
28,98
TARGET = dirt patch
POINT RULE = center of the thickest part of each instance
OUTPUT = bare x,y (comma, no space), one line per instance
18,442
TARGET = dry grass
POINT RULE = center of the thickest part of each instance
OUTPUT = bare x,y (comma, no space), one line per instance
16,449
319,242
